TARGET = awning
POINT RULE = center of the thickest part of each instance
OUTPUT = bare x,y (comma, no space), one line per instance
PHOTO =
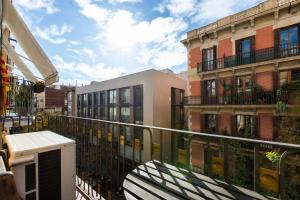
18,61
28,43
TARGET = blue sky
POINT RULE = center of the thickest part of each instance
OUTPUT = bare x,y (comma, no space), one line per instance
94,40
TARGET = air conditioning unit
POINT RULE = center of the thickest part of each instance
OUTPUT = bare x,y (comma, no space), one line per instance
43,164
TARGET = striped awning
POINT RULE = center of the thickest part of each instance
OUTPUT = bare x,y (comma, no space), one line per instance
28,43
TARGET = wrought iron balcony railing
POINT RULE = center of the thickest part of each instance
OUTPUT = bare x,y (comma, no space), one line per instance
243,98
281,51
103,158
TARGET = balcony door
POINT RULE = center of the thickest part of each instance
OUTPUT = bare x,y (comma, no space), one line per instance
245,49
289,41
210,92
209,58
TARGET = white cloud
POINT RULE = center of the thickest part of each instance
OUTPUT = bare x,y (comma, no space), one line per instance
83,54
124,1
54,33
95,72
204,10
177,7
37,5
93,11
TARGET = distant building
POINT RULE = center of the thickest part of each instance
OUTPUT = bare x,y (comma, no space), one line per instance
149,97
236,66
57,100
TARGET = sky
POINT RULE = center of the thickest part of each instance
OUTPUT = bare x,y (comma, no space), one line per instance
94,40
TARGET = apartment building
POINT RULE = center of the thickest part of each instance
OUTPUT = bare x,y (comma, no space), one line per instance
236,67
149,97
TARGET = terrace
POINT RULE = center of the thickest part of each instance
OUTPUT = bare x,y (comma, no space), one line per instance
104,160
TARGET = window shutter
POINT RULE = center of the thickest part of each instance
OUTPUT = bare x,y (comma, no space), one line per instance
202,122
275,80
215,57
276,42
238,51
275,127
233,125
252,49
203,91
203,60
256,126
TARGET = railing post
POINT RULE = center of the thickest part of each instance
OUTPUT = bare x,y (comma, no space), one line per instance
225,146
160,144
256,167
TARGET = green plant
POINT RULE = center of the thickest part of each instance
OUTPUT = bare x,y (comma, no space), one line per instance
273,156
280,106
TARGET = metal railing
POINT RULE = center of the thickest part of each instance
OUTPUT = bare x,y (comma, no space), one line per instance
280,51
104,157
242,98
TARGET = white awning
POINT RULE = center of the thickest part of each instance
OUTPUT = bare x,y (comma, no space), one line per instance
28,43
18,61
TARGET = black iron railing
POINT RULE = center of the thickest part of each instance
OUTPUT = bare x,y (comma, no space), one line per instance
104,156
281,51
242,98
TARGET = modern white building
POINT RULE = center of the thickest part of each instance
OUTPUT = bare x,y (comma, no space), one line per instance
149,97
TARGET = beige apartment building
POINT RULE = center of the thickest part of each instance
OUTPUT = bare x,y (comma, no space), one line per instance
150,97
237,67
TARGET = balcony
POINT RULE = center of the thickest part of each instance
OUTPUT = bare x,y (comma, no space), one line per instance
267,54
243,98
103,159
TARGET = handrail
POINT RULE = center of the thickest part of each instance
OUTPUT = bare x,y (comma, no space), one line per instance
241,139
256,56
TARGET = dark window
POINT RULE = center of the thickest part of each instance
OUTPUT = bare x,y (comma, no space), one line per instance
31,196
126,132
245,50
112,112
177,109
138,95
210,122
85,101
30,177
125,114
102,105
210,88
289,36
245,125
208,58
138,115
244,84
296,75
125,96
96,104
112,96
289,41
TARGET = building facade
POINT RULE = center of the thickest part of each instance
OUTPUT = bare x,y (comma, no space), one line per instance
236,67
148,97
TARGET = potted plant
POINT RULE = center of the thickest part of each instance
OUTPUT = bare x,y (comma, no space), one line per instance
39,87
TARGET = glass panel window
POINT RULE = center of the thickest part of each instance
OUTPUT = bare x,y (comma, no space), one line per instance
296,75
125,96
289,41
138,115
210,122
244,84
126,132
209,58
245,125
112,112
112,96
125,114
138,95
245,50
211,88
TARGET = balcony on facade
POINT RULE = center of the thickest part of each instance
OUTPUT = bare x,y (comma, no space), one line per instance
241,98
256,56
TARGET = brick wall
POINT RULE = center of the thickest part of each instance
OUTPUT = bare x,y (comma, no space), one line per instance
264,37
195,121
54,97
266,126
194,57
265,79
224,48
195,88
224,122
